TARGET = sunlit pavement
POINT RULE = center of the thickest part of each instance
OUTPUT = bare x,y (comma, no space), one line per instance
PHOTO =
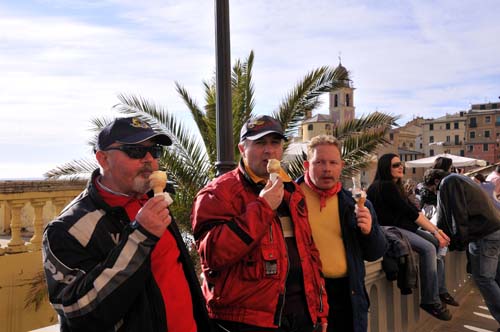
472,315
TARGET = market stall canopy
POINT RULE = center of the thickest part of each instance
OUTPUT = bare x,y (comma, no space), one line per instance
458,161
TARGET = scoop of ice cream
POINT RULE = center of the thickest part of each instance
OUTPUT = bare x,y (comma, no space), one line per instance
158,181
273,166
360,197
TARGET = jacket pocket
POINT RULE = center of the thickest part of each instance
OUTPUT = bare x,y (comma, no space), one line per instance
251,267
271,262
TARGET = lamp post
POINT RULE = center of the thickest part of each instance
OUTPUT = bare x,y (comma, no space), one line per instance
224,116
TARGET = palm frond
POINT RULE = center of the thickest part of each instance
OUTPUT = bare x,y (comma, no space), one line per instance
305,96
295,167
75,169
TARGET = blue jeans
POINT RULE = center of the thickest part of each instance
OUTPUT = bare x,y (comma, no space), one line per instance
485,264
441,268
428,267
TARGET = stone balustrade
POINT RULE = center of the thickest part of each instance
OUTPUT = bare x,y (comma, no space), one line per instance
27,206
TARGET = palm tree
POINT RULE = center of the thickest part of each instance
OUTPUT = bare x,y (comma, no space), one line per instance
190,161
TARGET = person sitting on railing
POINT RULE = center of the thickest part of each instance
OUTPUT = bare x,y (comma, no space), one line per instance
394,209
114,259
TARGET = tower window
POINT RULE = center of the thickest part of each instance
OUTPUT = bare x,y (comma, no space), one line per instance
336,101
310,127
347,100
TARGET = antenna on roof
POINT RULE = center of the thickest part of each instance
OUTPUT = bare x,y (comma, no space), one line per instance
340,60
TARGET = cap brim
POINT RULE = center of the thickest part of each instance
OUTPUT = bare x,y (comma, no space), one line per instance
259,135
161,139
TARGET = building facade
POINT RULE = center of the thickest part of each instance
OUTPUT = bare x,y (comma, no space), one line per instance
444,135
482,137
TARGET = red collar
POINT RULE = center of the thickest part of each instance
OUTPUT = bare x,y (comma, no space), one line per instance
323,194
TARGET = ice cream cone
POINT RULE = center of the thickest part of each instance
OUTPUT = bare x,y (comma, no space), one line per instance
361,201
157,182
273,168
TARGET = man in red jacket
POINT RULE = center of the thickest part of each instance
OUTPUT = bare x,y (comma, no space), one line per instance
261,268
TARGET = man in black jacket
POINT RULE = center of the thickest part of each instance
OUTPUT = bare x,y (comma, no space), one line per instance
468,216
345,234
114,260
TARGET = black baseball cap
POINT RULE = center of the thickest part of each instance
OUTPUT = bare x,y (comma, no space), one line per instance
129,131
261,126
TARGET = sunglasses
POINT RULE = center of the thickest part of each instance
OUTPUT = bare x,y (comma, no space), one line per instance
398,165
139,151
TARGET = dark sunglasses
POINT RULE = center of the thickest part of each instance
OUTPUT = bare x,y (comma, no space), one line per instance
398,165
139,151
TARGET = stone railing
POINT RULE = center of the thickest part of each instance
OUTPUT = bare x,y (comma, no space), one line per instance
392,312
25,208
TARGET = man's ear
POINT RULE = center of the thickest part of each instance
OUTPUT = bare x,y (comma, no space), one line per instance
306,164
241,147
102,159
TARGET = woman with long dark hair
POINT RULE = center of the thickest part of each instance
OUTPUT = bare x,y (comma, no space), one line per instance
394,209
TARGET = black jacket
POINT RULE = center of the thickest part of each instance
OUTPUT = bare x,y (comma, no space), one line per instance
393,209
358,248
97,267
400,262
465,212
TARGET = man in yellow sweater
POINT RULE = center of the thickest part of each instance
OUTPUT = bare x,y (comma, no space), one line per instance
345,234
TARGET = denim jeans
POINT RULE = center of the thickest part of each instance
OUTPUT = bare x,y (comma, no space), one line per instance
428,267
441,268
485,264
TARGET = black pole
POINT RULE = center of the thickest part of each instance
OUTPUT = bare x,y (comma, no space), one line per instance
224,116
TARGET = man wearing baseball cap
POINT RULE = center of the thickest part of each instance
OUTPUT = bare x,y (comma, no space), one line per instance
261,270
114,259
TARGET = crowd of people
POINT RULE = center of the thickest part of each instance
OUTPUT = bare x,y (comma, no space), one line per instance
277,254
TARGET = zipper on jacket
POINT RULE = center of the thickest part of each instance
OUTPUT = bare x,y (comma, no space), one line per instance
286,277
321,289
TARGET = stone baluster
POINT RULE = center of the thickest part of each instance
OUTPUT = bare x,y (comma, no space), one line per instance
59,204
16,243
36,240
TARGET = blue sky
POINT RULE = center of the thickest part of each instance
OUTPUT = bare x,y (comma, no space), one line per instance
63,62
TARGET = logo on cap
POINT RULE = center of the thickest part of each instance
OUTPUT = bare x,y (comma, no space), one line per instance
137,123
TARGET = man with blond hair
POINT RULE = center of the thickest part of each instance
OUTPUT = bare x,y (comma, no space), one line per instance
345,234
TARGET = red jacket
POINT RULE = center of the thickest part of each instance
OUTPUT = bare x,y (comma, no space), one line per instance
236,233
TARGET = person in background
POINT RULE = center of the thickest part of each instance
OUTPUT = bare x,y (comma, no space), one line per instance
344,242
394,209
492,189
429,208
114,259
494,178
261,269
468,216
445,164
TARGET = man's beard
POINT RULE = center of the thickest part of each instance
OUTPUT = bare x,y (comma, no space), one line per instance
141,184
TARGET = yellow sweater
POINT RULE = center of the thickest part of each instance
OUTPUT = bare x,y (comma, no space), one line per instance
327,235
